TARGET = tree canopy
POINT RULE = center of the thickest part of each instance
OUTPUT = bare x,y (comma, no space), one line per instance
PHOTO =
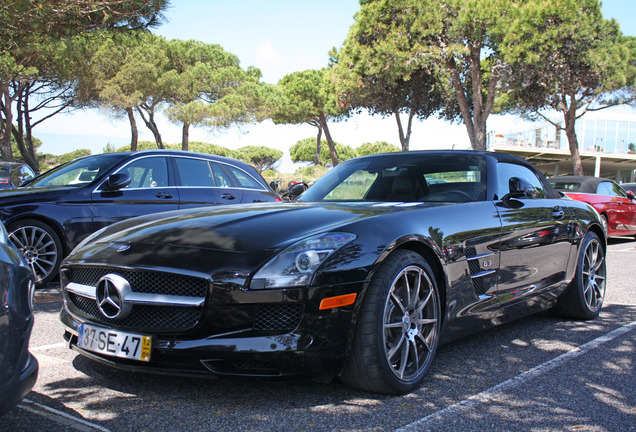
377,147
261,157
453,44
374,71
305,149
567,59
309,97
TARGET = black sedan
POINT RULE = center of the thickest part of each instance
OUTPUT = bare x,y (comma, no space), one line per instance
18,368
51,214
382,259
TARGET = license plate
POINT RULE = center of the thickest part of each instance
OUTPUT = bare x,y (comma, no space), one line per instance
114,343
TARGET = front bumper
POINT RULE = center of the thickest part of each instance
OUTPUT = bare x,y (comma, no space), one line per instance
314,348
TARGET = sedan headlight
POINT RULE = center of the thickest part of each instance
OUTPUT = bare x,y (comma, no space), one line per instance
296,265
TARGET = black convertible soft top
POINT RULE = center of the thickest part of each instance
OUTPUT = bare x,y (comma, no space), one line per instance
585,184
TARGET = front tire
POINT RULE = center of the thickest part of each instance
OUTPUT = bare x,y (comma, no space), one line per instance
584,296
398,327
40,246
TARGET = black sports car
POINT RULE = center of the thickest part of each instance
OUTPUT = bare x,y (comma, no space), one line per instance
18,368
51,214
382,259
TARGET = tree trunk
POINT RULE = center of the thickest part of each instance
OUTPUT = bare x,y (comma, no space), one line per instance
24,134
318,139
134,132
185,136
404,139
475,123
570,120
150,123
332,147
7,127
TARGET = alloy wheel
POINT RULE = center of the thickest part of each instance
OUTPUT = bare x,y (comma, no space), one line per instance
594,275
410,323
38,248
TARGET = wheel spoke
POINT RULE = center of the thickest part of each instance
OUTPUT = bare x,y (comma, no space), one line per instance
407,288
396,347
416,356
416,290
420,308
420,336
393,325
398,302
403,359
425,321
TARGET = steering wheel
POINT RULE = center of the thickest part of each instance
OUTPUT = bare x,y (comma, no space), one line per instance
464,197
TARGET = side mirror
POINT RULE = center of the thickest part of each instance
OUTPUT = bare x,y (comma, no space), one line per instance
116,182
520,188
631,195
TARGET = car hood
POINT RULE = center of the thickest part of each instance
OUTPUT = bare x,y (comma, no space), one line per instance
242,228
225,242
31,193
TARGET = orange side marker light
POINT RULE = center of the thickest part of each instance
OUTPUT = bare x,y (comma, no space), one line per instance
338,301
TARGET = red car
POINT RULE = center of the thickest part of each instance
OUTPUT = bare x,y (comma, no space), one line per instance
616,206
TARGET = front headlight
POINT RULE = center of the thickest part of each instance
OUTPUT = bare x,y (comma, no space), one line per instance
296,265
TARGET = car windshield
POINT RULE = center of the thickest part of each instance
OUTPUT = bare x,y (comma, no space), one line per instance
403,178
78,172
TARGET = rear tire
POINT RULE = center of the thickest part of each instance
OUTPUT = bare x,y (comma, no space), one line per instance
40,246
584,296
398,327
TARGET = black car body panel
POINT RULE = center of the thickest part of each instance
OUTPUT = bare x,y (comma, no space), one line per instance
495,258
18,367
73,209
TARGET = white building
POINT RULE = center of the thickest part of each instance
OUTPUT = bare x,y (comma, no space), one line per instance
607,145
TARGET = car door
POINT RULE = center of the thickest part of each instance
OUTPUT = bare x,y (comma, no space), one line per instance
623,209
203,182
151,190
535,242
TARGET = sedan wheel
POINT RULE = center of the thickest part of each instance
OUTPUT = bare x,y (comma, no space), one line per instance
40,246
398,327
584,297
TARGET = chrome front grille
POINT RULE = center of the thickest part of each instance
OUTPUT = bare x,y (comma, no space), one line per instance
176,301
142,281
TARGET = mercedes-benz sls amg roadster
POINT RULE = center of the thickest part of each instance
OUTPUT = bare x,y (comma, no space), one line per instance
378,262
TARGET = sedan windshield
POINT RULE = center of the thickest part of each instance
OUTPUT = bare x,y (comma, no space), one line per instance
78,172
403,178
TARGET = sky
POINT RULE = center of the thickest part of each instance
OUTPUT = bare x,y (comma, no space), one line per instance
278,37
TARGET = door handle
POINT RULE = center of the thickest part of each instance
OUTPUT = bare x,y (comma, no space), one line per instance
228,196
165,195
558,213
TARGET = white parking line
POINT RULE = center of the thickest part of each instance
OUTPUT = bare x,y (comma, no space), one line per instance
499,389
60,417
48,347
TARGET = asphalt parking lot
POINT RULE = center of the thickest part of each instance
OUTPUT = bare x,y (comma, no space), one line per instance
540,373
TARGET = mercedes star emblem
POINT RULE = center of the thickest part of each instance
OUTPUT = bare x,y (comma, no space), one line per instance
111,295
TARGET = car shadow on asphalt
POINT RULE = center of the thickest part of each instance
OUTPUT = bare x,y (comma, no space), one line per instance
462,369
